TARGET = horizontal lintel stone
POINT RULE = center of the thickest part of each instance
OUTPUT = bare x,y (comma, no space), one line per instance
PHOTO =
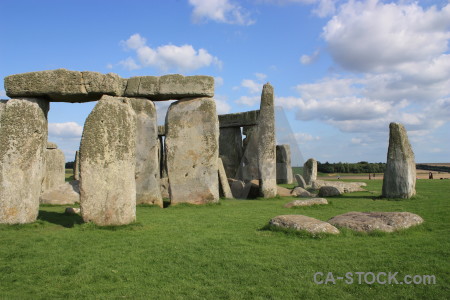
248,118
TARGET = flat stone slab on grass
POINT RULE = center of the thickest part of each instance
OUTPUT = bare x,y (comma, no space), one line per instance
347,187
300,222
66,193
330,191
301,192
307,202
370,221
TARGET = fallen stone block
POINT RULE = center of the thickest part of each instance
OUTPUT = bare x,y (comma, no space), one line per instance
300,222
307,202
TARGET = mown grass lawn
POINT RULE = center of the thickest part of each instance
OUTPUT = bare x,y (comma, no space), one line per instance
222,252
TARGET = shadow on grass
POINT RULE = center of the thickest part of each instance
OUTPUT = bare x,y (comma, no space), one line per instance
61,219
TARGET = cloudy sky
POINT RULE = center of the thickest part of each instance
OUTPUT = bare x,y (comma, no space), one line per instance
342,70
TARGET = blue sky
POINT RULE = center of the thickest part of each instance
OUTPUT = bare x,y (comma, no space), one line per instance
342,70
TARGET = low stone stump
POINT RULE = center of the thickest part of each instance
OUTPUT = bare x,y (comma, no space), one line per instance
300,222
330,191
347,187
370,221
301,192
307,202
283,192
66,193
310,171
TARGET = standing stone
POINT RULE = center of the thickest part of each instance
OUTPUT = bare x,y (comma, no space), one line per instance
23,140
55,168
300,181
192,149
76,166
230,149
147,156
399,179
107,163
310,171
284,168
237,189
267,144
223,181
248,169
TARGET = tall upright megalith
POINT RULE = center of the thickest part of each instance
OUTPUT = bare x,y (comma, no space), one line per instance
55,167
310,171
76,166
266,144
230,149
399,179
107,163
284,168
23,140
147,156
192,149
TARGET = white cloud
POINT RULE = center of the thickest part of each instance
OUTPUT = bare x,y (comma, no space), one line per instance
167,57
2,93
252,86
302,137
248,100
218,81
222,105
372,36
309,59
221,11
65,130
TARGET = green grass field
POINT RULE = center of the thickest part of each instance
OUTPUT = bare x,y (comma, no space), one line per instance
223,252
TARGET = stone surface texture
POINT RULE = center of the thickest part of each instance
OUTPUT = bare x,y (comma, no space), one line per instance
55,169
307,202
192,150
23,141
266,144
300,222
301,192
66,193
231,150
237,188
107,163
346,187
310,171
370,221
399,179
223,181
284,168
248,169
247,118
76,166
147,156
330,191
300,181
283,192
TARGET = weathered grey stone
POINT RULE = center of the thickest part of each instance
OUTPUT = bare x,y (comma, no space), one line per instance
267,144
399,179
164,187
248,169
66,193
330,191
301,192
230,150
147,156
223,181
310,171
307,202
51,145
346,187
55,169
169,87
283,192
72,210
284,168
161,130
237,189
251,190
247,118
62,85
383,221
300,181
300,222
192,149
76,166
23,140
107,163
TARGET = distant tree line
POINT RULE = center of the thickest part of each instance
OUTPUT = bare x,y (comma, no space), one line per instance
360,167
69,165
433,168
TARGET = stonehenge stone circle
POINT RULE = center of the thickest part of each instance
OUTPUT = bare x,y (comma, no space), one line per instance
231,150
399,179
192,149
23,141
55,167
107,163
147,156
310,171
284,168
266,144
